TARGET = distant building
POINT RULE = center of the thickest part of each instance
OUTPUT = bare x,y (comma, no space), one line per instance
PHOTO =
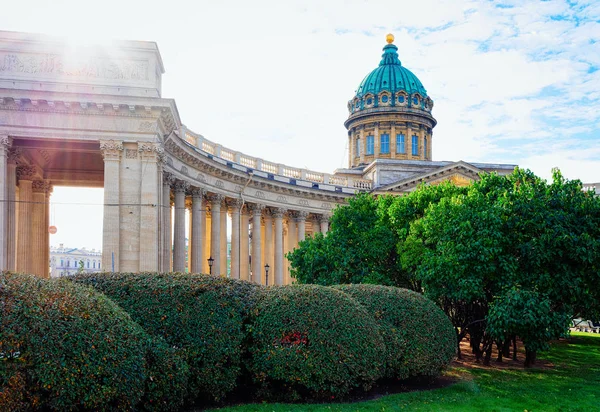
594,187
65,261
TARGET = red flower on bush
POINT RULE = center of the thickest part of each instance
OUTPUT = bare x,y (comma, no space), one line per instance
294,339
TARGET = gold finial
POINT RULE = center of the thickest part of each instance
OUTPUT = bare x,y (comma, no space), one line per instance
389,38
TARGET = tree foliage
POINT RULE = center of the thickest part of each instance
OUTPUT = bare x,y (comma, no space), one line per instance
359,248
506,256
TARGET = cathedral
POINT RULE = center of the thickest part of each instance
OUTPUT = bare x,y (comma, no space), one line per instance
173,198
390,133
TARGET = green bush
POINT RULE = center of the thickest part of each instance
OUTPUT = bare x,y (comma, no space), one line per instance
201,316
420,339
312,341
66,347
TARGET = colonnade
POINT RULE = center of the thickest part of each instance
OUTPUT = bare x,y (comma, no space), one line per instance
260,234
24,214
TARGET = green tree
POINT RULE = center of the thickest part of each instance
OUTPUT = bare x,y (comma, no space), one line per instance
509,249
359,248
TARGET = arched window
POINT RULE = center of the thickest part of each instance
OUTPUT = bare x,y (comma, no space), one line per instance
385,143
94,264
358,147
400,143
88,264
415,145
370,145
68,263
62,263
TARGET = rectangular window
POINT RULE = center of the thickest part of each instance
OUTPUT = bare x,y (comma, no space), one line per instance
415,145
385,143
358,147
400,146
370,145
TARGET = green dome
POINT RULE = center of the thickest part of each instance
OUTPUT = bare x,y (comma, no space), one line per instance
390,76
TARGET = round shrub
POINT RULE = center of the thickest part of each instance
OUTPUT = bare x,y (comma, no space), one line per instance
312,341
420,339
200,316
67,347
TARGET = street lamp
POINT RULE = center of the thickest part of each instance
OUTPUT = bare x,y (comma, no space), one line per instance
267,274
210,263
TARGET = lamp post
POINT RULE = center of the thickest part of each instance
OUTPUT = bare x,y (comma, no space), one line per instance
267,274
210,263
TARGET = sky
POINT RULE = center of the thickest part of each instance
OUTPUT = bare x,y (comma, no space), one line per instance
513,82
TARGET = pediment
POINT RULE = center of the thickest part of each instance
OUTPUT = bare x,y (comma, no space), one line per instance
459,173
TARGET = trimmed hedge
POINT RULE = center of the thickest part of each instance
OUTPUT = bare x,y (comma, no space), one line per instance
312,341
67,347
199,315
420,339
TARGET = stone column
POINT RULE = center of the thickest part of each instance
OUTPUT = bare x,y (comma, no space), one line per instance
324,220
39,230
301,219
234,208
5,143
393,141
316,227
244,244
408,140
46,233
24,261
292,231
11,207
111,152
168,180
376,141
363,144
223,234
179,233
269,245
278,261
256,210
215,232
196,245
150,154
351,145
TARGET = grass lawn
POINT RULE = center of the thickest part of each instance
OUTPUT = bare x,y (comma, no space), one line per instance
573,384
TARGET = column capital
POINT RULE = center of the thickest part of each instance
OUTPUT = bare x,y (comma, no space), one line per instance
41,186
5,142
151,151
256,208
301,215
234,204
14,155
168,179
215,198
324,218
111,149
25,172
180,186
196,192
278,212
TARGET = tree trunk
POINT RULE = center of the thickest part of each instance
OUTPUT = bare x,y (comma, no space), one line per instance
506,348
500,346
530,356
488,354
514,339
